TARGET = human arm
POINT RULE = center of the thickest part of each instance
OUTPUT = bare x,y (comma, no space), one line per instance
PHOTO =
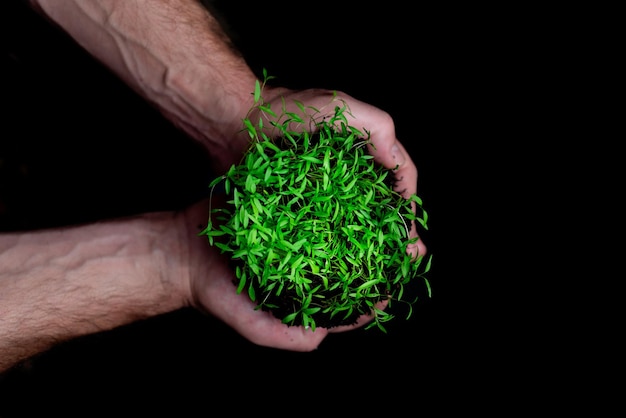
62,283
205,92
175,54
59,284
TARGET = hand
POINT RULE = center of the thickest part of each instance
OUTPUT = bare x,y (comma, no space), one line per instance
385,147
212,289
212,281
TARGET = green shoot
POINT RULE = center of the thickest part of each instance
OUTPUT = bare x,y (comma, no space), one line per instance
313,227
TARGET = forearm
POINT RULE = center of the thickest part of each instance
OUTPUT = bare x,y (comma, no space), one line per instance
173,53
63,283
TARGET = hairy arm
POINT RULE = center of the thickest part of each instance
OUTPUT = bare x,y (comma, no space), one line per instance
173,53
59,284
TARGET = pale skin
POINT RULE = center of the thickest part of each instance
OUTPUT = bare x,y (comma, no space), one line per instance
59,284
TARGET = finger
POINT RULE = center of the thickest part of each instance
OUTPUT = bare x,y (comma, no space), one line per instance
405,173
388,152
263,329
361,321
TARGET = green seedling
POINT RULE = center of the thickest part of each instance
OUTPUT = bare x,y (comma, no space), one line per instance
314,229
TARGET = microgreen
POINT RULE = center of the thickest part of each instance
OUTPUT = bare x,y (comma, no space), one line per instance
314,229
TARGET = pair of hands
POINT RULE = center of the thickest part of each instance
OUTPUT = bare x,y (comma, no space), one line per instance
154,263
211,287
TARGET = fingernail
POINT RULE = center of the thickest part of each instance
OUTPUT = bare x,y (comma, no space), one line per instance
397,154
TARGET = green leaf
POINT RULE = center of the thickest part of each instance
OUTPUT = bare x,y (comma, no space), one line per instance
250,184
257,91
242,282
312,159
311,220
289,318
367,284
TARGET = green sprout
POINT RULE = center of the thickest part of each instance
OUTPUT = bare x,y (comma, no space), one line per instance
314,229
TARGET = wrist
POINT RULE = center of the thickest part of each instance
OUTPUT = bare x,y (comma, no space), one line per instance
162,261
210,107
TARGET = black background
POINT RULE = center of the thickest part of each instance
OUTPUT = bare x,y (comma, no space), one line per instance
77,146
